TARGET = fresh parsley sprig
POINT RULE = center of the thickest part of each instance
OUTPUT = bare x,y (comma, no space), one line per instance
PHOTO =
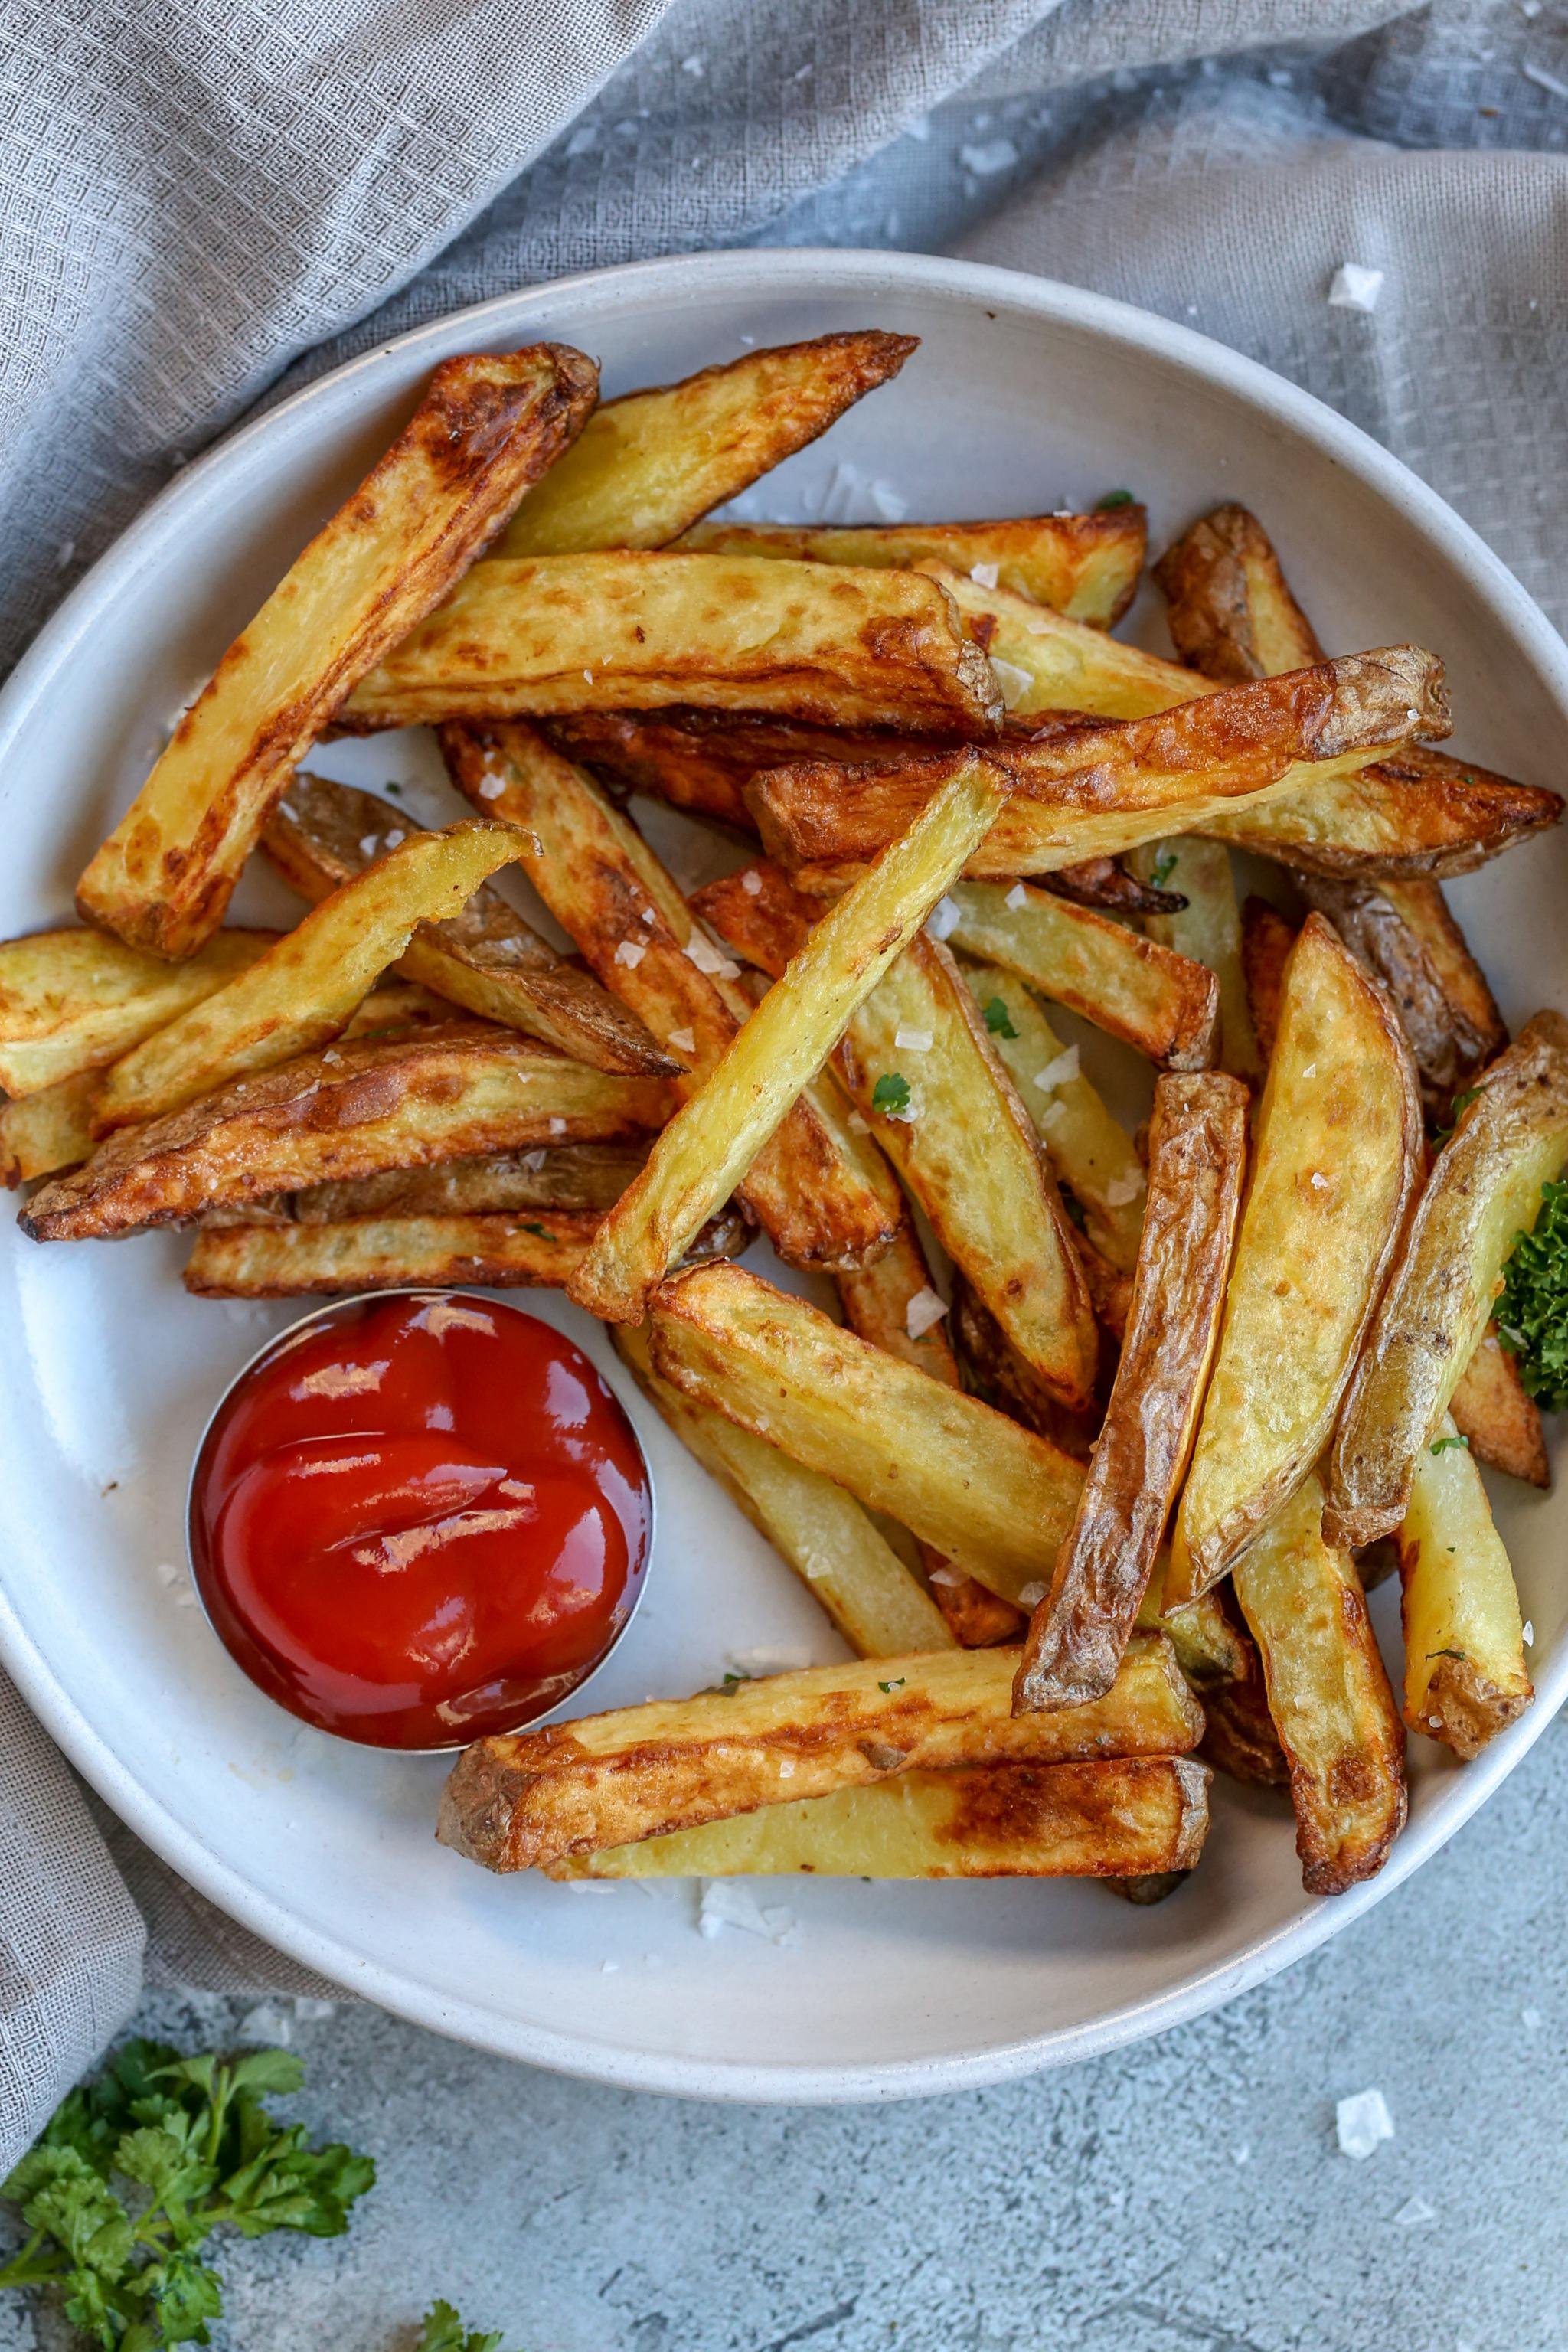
1532,1313
444,2332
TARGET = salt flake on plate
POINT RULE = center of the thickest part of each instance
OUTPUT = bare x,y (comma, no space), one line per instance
725,1904
1031,1595
991,156
1362,2121
683,1041
943,920
1414,2213
924,1310
1355,287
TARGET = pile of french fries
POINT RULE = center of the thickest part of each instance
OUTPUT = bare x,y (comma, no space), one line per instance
1093,1442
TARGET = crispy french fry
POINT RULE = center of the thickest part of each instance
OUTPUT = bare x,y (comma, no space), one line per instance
718,1132
1493,1413
646,466
1197,1153
998,1821
1484,1189
351,1110
1052,663
1220,1660
1098,789
822,1532
486,429
1339,1151
959,1137
75,1000
306,988
486,959
990,1495
1110,883
631,631
536,1797
386,1254
1465,1674
1160,1003
1085,566
1328,1693
1209,928
996,1372
1473,1009
49,1130
1266,940
578,1176
1231,612
813,1194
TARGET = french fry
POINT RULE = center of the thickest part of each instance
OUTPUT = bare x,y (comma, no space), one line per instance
1484,1189
995,1500
1339,1151
1099,789
1328,1693
822,1532
486,959
1465,1674
486,429
1197,1153
304,989
521,1801
646,466
350,1110
75,1000
1000,1821
577,1176
49,1130
959,1139
1423,908
1266,940
1085,566
1208,929
1160,1003
996,1372
811,1190
716,1134
1220,1660
1110,883
1052,663
631,631
1231,612
1501,1423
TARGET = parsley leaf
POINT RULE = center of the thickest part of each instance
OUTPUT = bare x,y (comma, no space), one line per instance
1163,868
891,1093
542,1231
135,2171
893,1686
998,1020
1532,1313
1442,1444
1444,1654
1111,500
444,2332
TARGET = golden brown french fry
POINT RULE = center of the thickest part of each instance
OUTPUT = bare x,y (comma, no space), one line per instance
578,1176
993,1499
1101,788
52,1129
1266,940
1339,1151
1424,911
822,1532
958,1135
486,959
1162,1003
74,1000
998,1821
1484,1189
631,631
996,1372
1046,662
823,1199
1197,1155
1328,1694
306,988
716,1134
1500,1422
486,428
1465,1674
350,1110
646,466
1209,928
292,1260
1086,565
1231,612
533,1798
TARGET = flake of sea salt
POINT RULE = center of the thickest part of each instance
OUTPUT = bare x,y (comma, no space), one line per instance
749,1663
1123,1190
1361,2121
1529,1632
948,1576
985,575
924,1310
751,882
1014,682
1060,1073
683,1041
1016,896
725,1904
861,1125
1031,1595
491,787
1414,2213
631,953
1355,286
696,65
943,920
583,141
913,1041
992,155
1531,2020
1544,80
557,1125
534,1161
702,952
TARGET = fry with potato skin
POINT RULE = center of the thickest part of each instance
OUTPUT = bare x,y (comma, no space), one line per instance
74,1000
1208,930
306,987
1197,1155
1328,1694
631,631
993,1499
42,1133
1266,940
1465,1674
1484,1189
1448,1047
533,1798
359,1106
717,1133
1500,1422
1119,1820
1339,1151
487,959
571,1176
485,430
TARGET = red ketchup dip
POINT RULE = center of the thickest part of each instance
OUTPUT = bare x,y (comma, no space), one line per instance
419,1518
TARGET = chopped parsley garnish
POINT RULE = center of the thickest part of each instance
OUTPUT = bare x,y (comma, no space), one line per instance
732,1680
891,1093
1111,500
1532,1313
1164,867
444,2332
893,1686
1446,1653
1442,1444
396,792
998,1020
542,1231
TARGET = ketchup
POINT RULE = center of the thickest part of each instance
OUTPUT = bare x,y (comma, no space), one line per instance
420,1519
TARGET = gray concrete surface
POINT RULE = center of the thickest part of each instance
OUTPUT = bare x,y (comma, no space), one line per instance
1184,2196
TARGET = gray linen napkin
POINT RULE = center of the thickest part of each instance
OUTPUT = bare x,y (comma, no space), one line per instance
205,205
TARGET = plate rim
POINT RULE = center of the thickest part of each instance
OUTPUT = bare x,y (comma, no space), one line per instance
793,271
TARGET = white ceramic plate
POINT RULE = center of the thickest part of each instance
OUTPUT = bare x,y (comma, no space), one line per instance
1023,395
